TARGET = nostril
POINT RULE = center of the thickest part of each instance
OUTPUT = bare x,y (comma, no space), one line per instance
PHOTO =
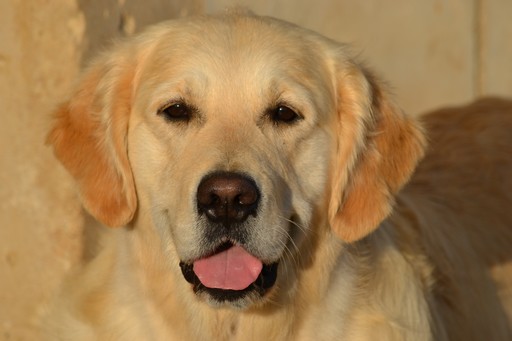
227,197
213,199
248,194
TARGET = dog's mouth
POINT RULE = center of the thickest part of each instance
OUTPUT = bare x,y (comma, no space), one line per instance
229,274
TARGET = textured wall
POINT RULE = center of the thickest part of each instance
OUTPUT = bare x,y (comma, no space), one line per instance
432,52
39,218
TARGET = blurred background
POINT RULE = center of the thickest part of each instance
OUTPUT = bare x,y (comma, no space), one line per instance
433,53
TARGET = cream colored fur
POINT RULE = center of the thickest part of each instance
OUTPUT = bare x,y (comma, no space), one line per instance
363,258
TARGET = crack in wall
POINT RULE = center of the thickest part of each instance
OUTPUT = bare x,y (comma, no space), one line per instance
479,42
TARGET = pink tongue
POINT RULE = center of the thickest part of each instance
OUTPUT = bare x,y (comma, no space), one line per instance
233,269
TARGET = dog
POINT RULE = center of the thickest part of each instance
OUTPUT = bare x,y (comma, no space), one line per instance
261,184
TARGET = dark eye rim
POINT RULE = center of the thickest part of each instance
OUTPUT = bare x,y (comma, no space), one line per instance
177,111
288,117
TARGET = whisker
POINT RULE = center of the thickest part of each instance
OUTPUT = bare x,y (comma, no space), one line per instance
301,227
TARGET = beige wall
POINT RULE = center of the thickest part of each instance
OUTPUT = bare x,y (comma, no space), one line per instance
433,53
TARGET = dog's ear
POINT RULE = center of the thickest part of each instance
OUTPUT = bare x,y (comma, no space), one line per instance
89,138
378,148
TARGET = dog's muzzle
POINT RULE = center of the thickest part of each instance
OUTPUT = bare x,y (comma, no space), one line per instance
225,200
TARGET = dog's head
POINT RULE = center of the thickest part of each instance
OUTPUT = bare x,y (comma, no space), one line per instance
235,139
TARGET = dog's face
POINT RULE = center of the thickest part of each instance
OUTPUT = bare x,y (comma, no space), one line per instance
236,125
238,138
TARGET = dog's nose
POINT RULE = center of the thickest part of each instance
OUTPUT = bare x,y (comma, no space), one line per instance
227,197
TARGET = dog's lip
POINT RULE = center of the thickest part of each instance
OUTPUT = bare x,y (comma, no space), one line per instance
222,245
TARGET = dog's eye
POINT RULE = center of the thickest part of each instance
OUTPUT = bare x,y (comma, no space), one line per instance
176,112
283,114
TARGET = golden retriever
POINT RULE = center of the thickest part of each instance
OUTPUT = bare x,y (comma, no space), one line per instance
253,172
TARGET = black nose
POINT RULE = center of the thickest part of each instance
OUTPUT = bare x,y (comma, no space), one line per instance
227,197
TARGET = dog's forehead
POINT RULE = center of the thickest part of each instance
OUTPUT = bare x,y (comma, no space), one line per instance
236,40
233,55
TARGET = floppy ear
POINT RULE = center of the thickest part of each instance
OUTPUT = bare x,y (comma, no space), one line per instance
89,138
378,148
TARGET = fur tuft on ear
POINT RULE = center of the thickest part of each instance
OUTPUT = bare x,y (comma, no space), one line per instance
89,138
378,148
